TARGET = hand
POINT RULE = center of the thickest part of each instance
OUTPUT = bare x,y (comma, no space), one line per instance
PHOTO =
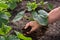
54,15
33,24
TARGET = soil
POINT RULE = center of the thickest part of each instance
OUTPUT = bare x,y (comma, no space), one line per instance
50,32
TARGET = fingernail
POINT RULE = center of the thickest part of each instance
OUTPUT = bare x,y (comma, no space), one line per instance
25,28
28,33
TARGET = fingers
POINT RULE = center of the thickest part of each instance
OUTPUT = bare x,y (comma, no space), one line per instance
33,29
33,24
27,25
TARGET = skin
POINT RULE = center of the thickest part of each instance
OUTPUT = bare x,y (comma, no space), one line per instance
54,15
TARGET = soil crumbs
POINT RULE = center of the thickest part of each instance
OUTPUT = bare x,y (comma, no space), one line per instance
52,32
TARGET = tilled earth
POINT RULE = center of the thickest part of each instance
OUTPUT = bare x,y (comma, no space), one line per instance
52,32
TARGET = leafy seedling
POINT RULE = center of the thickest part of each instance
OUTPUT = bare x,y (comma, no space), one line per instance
21,36
41,17
19,16
31,6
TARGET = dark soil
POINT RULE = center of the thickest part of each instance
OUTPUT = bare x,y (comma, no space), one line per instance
52,32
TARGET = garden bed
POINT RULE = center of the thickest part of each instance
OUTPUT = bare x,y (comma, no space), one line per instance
51,32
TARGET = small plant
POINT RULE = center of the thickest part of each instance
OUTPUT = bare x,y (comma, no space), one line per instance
4,20
40,15
18,36
31,6
21,36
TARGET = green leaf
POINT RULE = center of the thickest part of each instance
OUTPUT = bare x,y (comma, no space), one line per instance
45,3
19,0
13,37
1,32
10,37
8,14
2,38
21,36
12,5
41,2
3,21
5,29
18,16
41,17
11,1
43,13
31,6
3,6
4,17
50,6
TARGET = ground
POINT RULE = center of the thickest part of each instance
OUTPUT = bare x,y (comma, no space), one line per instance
49,33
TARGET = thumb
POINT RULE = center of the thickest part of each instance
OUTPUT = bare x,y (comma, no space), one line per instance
27,25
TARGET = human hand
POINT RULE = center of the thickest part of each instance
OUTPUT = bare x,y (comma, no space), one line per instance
33,24
54,15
